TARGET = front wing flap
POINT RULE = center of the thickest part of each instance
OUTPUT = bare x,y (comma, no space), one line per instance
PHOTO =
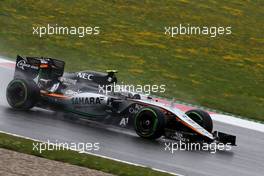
224,138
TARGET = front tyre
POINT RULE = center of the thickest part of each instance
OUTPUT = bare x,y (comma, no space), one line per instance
202,118
149,123
22,94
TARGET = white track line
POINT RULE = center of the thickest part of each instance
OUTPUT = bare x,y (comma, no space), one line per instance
238,122
2,60
216,117
98,155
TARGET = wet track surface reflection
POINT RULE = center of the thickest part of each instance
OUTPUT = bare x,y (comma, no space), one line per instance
245,159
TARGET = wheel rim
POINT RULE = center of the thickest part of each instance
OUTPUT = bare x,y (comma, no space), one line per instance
146,122
16,93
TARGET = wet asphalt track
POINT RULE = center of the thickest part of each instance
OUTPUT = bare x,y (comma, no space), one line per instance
245,159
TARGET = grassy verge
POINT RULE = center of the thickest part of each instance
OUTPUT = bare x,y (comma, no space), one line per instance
225,73
93,162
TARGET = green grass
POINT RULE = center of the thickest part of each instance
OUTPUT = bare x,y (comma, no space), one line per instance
93,162
224,73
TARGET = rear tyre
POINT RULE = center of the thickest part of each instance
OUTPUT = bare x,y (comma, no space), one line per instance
149,123
22,94
202,118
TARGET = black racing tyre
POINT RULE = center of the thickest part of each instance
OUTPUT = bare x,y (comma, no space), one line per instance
22,94
202,118
149,123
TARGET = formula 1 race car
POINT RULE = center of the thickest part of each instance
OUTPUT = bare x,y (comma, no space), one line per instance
41,82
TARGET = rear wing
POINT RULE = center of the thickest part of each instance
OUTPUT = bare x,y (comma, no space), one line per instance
31,67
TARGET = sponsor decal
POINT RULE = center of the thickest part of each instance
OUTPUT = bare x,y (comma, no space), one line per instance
123,122
109,79
70,92
86,100
135,109
68,81
22,64
85,76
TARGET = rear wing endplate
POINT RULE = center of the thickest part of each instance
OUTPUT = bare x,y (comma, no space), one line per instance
29,67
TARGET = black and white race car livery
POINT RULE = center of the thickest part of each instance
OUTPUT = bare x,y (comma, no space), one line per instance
41,82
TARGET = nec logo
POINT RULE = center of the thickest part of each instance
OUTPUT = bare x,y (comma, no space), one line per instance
85,76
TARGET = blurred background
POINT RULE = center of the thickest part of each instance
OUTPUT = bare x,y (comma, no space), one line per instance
224,73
